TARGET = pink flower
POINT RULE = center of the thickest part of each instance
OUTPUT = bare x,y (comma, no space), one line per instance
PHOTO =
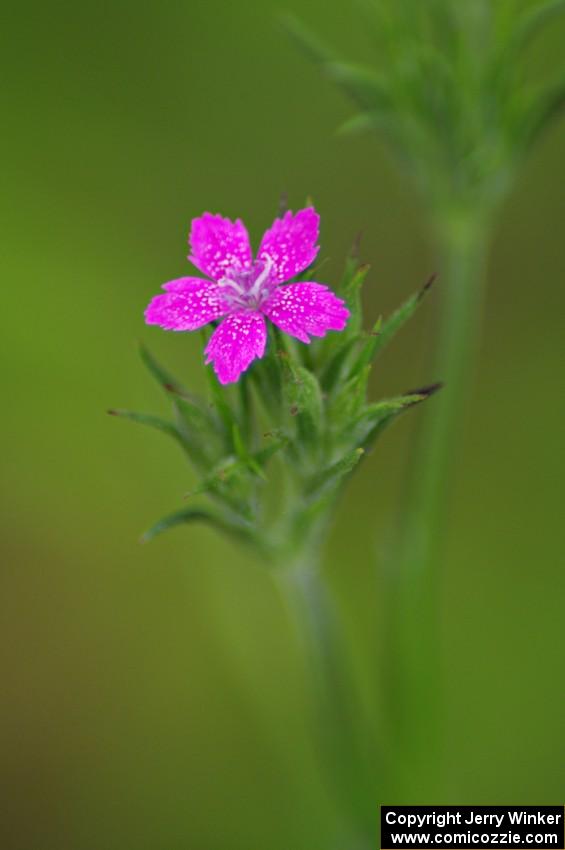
242,291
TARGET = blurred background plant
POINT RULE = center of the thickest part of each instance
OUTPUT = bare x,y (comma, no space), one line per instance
155,696
454,98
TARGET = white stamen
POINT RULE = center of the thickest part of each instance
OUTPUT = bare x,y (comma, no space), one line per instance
261,279
225,282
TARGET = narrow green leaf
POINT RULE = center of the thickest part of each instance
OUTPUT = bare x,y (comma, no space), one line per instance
193,414
161,375
548,106
334,349
238,444
533,20
372,421
263,455
230,526
151,421
360,123
364,86
195,418
384,332
308,42
228,480
337,364
243,454
202,432
350,398
353,279
333,475
351,292
246,409
220,402
193,442
231,471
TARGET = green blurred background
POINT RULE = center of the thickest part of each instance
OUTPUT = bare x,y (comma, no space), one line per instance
153,697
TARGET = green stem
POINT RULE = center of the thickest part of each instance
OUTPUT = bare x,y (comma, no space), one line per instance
413,651
335,721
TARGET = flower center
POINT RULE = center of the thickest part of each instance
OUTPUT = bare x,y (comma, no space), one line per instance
247,288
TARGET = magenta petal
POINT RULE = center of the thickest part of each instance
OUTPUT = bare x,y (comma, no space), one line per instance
217,243
291,244
188,303
303,309
235,344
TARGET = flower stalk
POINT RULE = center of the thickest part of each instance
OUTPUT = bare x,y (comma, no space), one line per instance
413,676
346,755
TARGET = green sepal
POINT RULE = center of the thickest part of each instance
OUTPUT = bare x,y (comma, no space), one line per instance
304,399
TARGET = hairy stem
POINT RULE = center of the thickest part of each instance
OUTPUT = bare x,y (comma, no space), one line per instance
413,650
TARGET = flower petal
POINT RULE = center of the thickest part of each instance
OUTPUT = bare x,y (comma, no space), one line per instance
217,243
235,344
291,244
301,309
188,303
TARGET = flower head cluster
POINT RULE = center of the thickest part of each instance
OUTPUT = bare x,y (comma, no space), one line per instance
242,291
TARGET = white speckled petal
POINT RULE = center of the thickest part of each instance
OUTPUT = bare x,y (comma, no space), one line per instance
290,244
235,344
306,309
218,244
188,304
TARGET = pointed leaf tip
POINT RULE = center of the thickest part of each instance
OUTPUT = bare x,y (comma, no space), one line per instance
427,286
426,392
310,44
356,246
159,373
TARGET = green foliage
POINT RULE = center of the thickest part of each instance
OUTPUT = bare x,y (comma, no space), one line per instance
272,453
450,93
